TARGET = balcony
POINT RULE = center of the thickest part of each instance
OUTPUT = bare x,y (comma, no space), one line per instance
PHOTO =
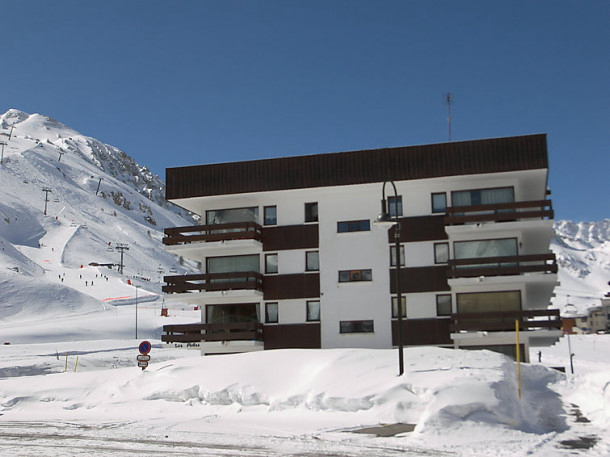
499,212
177,236
504,321
195,333
502,266
214,282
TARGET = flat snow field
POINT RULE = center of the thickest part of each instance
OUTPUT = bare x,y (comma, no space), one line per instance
87,396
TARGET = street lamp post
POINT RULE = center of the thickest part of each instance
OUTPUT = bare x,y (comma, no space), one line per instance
137,312
384,220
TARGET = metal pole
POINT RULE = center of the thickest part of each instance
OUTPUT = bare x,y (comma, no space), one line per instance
2,156
401,366
518,356
136,312
571,355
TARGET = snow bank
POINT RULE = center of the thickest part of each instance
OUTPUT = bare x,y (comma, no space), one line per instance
441,390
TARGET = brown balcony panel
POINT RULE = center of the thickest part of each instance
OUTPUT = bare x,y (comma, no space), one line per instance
210,233
502,266
231,331
232,336
185,338
499,212
213,282
505,321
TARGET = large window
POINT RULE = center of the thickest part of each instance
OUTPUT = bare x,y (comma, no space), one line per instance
439,202
485,302
233,264
312,261
441,252
403,300
311,212
271,263
271,313
483,196
242,312
443,305
355,275
354,226
503,247
313,310
393,203
393,255
270,215
356,326
226,216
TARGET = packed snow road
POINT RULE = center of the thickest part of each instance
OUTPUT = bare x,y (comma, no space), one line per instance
48,439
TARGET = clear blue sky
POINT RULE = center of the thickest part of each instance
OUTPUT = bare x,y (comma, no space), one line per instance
176,82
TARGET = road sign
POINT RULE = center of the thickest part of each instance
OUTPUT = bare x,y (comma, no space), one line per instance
145,347
143,358
143,364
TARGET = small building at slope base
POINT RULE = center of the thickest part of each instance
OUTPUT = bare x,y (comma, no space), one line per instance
291,258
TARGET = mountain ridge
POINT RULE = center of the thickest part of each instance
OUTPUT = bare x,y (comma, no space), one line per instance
99,196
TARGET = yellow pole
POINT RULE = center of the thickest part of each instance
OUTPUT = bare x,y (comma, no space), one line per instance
518,351
66,367
76,364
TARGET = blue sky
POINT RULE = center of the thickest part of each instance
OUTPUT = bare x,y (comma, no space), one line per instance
176,83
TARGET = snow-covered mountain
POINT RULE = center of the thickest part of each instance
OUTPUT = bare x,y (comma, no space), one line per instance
583,256
99,196
95,197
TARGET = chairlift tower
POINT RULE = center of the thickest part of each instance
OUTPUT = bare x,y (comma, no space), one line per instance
121,247
46,191
2,156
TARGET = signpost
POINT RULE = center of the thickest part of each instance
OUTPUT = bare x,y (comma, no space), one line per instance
143,358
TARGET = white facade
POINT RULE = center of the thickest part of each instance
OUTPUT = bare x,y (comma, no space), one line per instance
368,301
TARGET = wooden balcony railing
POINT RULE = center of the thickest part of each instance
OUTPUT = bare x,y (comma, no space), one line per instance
215,232
213,282
499,212
502,266
194,333
543,319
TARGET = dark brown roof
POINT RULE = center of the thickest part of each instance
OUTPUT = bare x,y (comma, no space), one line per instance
359,167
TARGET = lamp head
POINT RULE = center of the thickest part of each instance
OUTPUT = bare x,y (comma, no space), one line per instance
384,220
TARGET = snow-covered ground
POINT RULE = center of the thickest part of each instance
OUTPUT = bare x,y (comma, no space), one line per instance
65,397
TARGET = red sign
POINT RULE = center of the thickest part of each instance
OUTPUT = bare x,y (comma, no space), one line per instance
145,347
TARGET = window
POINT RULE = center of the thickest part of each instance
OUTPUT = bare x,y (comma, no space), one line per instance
504,247
392,203
270,215
393,256
270,263
439,202
233,264
443,305
313,310
483,302
441,252
312,261
311,212
356,327
354,226
226,216
483,196
355,275
243,312
395,306
271,314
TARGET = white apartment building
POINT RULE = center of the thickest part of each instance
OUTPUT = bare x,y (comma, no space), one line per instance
291,257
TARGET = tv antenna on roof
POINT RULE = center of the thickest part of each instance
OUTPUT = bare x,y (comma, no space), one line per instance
449,102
